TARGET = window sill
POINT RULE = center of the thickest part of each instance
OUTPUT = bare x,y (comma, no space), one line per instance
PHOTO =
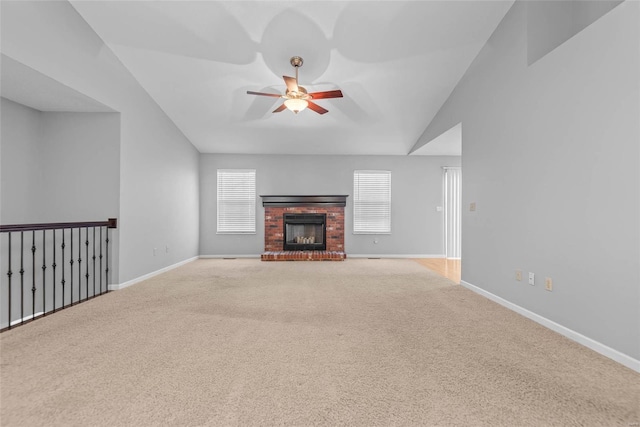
235,232
370,233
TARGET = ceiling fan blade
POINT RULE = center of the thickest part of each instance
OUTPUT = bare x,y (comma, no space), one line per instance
326,94
315,107
280,108
291,82
275,95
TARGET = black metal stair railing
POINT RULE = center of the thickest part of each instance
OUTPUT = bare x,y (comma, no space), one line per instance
47,294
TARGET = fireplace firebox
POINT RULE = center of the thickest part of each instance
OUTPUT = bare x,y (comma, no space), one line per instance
305,232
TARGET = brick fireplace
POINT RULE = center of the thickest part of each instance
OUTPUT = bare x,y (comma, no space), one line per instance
277,208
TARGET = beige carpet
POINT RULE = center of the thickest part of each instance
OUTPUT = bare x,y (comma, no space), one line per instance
360,342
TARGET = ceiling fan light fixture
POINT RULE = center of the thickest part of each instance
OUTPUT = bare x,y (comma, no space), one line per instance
296,105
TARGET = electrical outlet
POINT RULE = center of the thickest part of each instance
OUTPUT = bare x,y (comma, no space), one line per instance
472,206
519,275
532,279
548,284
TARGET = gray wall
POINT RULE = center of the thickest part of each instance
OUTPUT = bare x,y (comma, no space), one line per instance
59,167
550,23
551,156
158,165
19,174
416,191
80,166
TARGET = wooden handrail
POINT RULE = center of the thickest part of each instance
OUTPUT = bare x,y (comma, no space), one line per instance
110,223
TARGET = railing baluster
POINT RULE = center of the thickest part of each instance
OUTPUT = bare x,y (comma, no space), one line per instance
106,275
22,277
44,267
79,264
9,273
54,270
62,282
71,264
86,267
101,259
94,261
33,274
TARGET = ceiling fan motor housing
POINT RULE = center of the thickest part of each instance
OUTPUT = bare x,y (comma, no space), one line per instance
300,94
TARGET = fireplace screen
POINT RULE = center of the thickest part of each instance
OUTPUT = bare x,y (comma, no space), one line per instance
304,232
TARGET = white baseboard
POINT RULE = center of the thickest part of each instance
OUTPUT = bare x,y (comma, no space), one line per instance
117,287
394,255
348,256
596,346
25,318
229,256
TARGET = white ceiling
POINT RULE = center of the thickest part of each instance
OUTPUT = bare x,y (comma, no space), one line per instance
396,63
26,86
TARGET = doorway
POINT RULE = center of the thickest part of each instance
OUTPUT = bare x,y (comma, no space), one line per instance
452,211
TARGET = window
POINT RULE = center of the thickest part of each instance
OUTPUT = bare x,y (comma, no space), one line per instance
236,201
371,202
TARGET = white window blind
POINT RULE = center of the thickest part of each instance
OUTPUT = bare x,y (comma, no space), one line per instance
372,202
236,201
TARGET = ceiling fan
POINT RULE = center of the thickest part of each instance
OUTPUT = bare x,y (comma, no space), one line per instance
296,97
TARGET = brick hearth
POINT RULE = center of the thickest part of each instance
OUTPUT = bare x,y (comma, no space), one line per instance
303,256
274,233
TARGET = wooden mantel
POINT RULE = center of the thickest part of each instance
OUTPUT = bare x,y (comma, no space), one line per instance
304,201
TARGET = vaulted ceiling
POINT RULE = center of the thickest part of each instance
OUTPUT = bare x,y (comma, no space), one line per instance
395,61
